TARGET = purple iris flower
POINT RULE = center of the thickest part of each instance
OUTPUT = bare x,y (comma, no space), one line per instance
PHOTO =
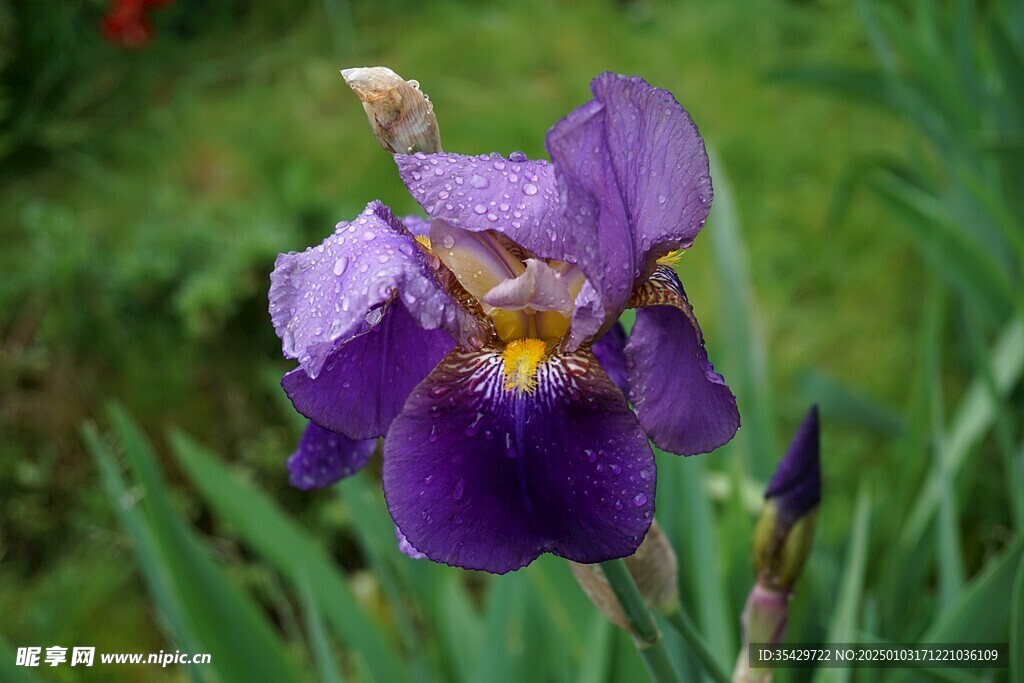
484,345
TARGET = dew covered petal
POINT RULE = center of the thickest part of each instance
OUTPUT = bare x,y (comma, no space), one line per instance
480,477
323,296
324,457
364,382
516,197
680,400
635,184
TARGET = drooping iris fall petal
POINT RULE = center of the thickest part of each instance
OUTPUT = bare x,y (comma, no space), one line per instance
365,381
323,457
484,476
682,403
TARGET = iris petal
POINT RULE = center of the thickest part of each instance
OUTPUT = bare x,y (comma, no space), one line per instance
323,457
610,351
484,478
680,400
365,381
518,198
321,297
635,184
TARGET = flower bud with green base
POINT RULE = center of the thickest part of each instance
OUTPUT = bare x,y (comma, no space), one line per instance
782,542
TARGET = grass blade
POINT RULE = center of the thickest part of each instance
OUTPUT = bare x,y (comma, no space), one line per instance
1017,627
290,549
748,368
325,664
225,621
9,671
974,417
844,622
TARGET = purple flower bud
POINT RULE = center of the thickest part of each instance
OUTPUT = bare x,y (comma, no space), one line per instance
785,529
796,486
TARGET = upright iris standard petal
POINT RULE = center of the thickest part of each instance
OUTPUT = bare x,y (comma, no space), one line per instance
514,196
484,476
682,403
610,351
634,177
365,381
323,457
321,297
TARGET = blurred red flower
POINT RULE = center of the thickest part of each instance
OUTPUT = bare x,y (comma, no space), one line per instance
126,23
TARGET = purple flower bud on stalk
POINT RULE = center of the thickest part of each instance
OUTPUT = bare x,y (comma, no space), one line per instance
782,542
785,528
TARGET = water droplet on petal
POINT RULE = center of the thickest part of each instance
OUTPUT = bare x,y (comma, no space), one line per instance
478,181
529,189
639,499
340,265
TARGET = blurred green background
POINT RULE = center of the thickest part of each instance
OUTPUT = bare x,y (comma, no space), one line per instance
864,252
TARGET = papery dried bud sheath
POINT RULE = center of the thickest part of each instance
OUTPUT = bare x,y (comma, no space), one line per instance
654,568
401,116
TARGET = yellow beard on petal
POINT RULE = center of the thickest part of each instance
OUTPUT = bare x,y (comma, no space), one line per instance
521,359
672,259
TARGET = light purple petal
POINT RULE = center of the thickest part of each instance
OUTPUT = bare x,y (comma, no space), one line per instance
323,296
514,196
417,225
610,351
634,179
406,547
483,478
323,457
539,287
365,381
682,403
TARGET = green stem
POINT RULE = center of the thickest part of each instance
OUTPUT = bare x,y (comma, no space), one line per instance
641,621
684,626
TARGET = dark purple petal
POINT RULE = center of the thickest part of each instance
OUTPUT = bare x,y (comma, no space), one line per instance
488,192
365,381
635,184
323,457
483,477
680,400
323,296
610,351
796,485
